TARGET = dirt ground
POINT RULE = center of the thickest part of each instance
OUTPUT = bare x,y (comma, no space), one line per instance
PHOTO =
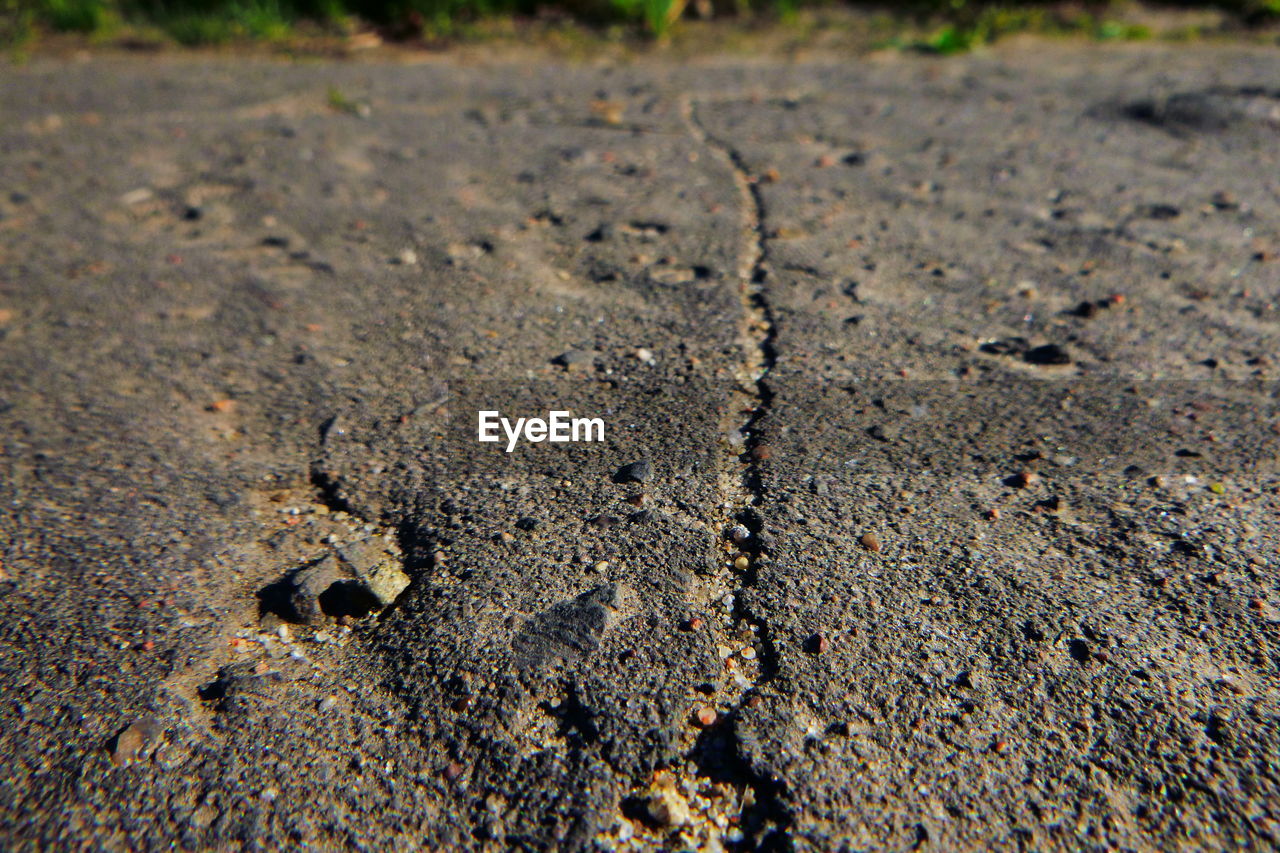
936,506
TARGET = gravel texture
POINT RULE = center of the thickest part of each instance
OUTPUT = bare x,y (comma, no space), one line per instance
937,503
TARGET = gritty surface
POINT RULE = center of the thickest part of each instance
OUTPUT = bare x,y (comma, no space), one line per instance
955,381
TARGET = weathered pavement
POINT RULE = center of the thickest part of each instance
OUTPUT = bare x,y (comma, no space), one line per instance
980,352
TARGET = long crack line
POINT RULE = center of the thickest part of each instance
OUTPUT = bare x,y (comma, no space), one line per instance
741,485
744,810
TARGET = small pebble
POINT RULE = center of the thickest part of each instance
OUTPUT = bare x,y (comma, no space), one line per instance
706,716
135,741
761,453
741,563
694,624
1048,354
327,704
818,644
739,533
870,541
453,771
137,196
634,472
571,357
665,805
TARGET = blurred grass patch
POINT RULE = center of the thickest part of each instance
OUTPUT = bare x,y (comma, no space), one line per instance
80,16
977,25
16,20
950,26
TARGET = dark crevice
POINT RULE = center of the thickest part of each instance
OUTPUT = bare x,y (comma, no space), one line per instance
577,721
330,492
719,753
757,554
756,298
765,822
215,691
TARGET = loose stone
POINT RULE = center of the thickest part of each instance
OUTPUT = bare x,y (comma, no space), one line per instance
634,472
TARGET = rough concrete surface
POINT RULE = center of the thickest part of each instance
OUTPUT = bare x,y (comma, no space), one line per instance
955,380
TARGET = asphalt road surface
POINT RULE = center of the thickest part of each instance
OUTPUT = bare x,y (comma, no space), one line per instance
936,505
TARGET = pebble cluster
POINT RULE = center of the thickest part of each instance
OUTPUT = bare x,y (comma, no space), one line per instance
680,810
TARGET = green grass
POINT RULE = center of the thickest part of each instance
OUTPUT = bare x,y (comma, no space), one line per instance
951,26
80,16
16,20
985,25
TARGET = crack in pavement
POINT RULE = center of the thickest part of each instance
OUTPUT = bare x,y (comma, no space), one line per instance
742,490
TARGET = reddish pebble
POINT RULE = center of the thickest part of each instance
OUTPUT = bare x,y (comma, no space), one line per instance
453,771
1000,746
870,541
147,645
761,452
695,623
818,644
992,514
1023,478
706,716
